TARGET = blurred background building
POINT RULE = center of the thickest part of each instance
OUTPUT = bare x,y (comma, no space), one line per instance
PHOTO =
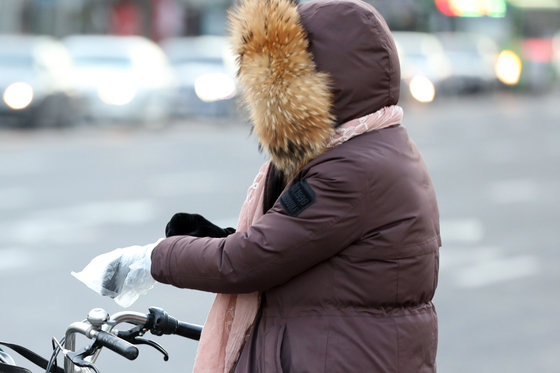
447,47
155,19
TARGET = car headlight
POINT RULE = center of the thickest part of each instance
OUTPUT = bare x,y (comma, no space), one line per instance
18,95
508,67
214,87
422,89
116,93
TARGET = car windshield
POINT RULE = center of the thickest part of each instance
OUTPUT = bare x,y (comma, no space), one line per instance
103,61
459,45
417,56
15,60
462,47
185,60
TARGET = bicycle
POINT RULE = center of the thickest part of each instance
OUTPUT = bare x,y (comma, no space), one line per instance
100,328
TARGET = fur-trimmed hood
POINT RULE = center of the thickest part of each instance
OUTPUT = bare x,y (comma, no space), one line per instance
305,69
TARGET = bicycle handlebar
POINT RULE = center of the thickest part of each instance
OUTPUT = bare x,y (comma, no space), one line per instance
130,317
116,344
99,327
187,330
163,323
158,322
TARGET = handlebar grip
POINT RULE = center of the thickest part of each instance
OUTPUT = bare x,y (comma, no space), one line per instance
163,323
187,330
117,345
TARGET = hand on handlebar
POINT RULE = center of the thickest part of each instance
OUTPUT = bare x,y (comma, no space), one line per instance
122,274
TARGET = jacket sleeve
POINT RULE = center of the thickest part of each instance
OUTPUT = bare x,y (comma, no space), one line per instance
275,249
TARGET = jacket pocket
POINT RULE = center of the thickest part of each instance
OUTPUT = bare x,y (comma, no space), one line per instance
273,361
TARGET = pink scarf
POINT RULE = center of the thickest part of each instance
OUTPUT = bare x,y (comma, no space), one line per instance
232,316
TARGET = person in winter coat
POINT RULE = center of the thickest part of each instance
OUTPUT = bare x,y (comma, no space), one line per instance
334,262
342,259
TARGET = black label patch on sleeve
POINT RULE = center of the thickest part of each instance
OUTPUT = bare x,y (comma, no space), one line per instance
299,197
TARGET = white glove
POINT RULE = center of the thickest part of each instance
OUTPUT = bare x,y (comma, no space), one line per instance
122,274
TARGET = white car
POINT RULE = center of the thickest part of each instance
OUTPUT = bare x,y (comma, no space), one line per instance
473,58
35,84
125,78
424,65
205,69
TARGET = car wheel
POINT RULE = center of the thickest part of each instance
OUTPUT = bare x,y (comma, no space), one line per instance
45,114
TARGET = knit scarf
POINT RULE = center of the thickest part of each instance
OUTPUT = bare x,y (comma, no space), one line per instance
232,316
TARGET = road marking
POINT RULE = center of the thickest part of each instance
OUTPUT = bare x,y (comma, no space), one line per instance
514,191
474,267
49,231
104,212
13,259
497,270
452,258
75,224
468,230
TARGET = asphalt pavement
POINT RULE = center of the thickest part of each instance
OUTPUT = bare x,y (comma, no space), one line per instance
69,195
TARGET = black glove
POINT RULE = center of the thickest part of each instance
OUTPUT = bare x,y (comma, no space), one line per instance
194,225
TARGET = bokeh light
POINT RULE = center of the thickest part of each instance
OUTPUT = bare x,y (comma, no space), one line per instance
18,95
508,67
422,89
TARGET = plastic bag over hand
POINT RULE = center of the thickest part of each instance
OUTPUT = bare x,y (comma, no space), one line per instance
122,274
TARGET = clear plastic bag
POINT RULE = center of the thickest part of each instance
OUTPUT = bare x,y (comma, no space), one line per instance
122,274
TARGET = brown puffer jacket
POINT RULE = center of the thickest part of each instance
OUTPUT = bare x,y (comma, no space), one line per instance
347,282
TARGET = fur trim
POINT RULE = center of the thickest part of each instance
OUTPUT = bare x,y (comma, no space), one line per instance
288,100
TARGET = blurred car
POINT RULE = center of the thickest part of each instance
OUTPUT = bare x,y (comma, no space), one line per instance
124,78
35,85
472,58
205,69
424,65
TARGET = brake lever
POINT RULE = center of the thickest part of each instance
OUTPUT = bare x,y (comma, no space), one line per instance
77,357
129,335
149,342
133,336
